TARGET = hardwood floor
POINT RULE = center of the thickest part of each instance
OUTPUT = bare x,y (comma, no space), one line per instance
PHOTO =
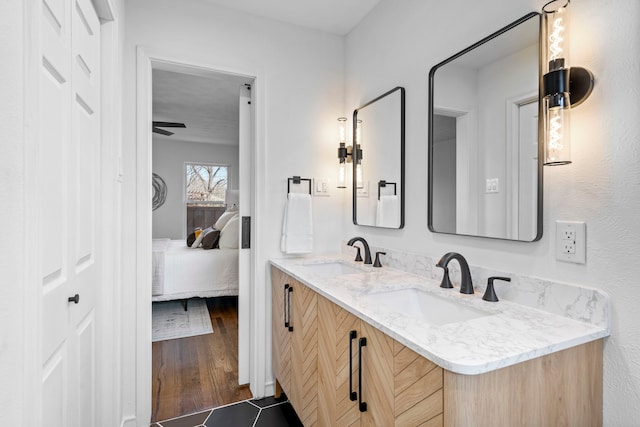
198,373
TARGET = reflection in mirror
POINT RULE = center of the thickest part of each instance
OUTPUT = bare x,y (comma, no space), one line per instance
378,161
484,170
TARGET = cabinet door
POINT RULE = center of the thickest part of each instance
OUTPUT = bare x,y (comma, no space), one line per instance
337,378
304,353
377,378
281,337
418,393
400,387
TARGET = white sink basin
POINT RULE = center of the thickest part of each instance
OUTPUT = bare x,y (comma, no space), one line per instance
330,269
425,306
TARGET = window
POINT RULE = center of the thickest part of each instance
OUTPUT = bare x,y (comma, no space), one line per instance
206,184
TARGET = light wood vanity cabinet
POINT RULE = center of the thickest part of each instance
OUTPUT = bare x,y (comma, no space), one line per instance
402,388
295,344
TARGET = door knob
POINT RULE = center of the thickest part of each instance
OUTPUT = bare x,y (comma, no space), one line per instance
74,299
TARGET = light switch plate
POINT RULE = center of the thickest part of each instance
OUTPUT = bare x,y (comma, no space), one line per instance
364,191
571,241
492,185
321,187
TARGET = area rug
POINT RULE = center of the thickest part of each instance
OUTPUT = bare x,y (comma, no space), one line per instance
170,320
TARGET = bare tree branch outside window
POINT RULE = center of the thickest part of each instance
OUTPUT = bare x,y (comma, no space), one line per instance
206,184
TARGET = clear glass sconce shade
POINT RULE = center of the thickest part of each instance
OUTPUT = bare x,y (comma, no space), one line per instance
359,172
342,174
358,135
342,130
556,102
557,129
556,32
359,175
358,144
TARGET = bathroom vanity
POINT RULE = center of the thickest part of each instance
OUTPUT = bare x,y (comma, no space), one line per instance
357,345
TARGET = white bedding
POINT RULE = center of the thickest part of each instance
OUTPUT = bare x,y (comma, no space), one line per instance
159,248
182,272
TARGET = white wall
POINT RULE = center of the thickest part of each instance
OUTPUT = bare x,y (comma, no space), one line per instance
401,40
301,82
169,158
12,211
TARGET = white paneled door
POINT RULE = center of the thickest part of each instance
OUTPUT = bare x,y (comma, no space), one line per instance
69,170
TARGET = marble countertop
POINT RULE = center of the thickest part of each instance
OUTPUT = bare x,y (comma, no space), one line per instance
508,334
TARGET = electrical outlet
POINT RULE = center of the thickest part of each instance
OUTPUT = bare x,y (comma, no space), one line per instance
569,247
569,234
571,241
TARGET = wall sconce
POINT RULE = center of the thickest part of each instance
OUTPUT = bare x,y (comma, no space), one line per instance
343,152
564,86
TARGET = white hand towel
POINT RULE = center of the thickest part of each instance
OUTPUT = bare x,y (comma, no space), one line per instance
297,226
388,212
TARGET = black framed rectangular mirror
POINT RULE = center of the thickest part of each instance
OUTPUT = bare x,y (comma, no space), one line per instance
378,161
485,160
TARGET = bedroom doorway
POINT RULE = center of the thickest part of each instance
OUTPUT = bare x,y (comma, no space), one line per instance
203,131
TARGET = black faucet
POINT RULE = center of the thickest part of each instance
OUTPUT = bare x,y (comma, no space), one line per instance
466,285
365,245
490,293
377,262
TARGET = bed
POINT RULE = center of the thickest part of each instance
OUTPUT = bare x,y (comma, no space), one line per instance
180,272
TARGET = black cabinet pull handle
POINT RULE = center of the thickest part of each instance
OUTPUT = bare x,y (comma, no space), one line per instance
361,405
286,321
290,291
74,299
352,394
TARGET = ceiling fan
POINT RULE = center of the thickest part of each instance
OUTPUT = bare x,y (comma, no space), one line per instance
158,125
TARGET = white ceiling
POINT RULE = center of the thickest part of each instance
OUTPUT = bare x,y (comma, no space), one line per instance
206,102
333,16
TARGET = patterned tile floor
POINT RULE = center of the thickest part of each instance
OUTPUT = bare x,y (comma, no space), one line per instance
267,412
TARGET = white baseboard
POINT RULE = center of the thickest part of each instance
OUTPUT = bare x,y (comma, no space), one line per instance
128,422
269,388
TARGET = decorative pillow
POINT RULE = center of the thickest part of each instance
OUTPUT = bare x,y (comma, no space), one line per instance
224,218
199,237
192,237
210,239
229,236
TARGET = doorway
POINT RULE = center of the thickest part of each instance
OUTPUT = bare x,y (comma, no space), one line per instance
522,167
203,119
456,175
